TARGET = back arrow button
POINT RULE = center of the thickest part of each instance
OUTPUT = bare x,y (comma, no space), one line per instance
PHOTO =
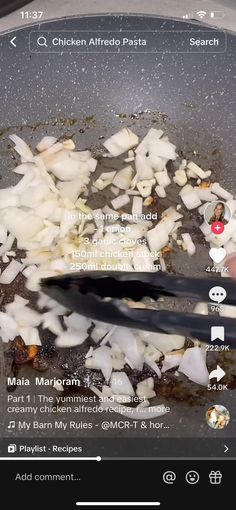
226,448
12,41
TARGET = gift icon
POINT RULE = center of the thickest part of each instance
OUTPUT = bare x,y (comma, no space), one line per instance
215,477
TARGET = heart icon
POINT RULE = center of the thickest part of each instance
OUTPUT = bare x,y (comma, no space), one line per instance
217,254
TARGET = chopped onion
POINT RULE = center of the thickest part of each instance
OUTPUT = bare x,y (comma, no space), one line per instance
143,168
120,384
22,148
128,344
121,142
197,170
70,339
145,388
46,142
191,199
26,317
10,272
3,234
30,335
158,236
160,191
145,187
162,178
8,327
188,243
194,366
201,308
171,360
205,194
120,201
221,192
122,179
137,207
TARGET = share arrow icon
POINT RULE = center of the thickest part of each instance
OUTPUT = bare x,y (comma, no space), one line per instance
218,373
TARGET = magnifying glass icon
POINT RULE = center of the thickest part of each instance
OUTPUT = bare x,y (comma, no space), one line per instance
42,41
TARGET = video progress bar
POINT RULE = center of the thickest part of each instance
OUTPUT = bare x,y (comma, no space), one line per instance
98,458
118,503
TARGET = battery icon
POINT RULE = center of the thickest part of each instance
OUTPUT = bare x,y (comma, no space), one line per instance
217,14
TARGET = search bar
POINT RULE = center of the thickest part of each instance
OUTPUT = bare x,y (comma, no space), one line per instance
132,41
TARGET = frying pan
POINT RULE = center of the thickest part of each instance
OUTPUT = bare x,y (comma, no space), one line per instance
89,96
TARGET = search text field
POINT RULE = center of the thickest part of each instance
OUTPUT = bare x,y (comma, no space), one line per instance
187,41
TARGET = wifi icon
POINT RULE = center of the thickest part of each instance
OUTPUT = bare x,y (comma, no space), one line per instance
201,14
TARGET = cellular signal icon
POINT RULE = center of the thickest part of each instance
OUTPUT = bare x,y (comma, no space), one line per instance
186,16
201,14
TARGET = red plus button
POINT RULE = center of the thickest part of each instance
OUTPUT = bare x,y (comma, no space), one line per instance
217,227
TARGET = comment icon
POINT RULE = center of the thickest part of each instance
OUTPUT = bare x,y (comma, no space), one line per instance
217,294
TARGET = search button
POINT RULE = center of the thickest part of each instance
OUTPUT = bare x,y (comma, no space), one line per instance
42,41
169,477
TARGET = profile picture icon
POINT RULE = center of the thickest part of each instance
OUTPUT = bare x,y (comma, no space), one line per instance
217,212
217,417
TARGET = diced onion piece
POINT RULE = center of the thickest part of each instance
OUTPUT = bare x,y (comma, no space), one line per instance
122,179
145,388
77,322
102,360
8,199
128,344
8,327
22,148
51,322
161,149
186,189
196,170
205,194
142,259
160,191
46,142
26,317
189,245
21,224
162,178
221,192
164,342
3,234
143,168
153,134
228,311
120,201
115,190
121,142
171,360
145,187
201,308
10,272
158,236
120,384
171,214
70,339
232,205
180,177
193,365
30,335
191,200
137,207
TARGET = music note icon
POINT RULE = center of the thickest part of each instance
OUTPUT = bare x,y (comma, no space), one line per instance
11,425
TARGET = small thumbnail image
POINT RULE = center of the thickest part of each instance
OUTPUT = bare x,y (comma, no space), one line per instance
217,211
217,417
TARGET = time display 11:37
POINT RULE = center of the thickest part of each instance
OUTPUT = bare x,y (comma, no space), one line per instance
31,14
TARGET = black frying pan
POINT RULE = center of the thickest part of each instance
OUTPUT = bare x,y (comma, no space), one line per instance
89,96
